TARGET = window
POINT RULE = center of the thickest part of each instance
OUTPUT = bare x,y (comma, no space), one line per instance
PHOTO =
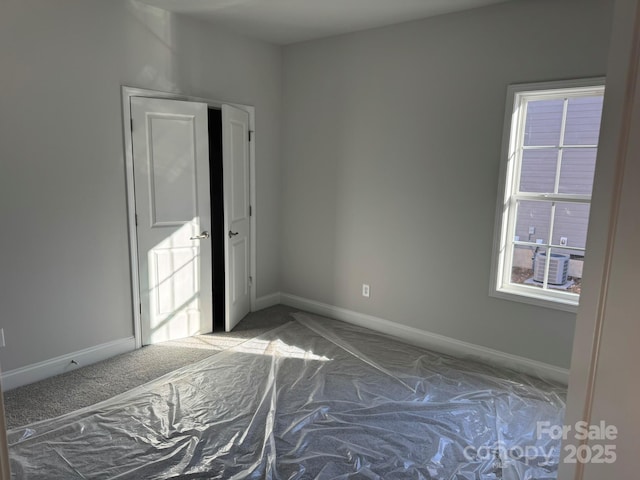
549,157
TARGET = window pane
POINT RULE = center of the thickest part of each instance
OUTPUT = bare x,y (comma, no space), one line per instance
564,274
576,265
533,217
543,123
574,274
576,171
583,121
570,226
523,265
538,171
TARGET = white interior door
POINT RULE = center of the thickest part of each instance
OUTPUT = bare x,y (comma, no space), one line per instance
235,160
171,175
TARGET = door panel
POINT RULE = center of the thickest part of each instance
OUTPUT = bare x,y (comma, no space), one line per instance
171,173
239,171
239,264
172,165
235,148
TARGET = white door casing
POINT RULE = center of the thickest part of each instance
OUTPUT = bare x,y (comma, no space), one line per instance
237,220
171,176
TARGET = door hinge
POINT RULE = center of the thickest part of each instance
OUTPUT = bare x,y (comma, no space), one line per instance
136,219
140,309
250,134
250,281
250,210
132,124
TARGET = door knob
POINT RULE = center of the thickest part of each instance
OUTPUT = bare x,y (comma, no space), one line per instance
232,234
203,236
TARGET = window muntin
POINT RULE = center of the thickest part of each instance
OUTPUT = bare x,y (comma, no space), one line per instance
552,149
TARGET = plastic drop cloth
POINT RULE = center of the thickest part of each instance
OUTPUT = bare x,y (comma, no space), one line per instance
313,399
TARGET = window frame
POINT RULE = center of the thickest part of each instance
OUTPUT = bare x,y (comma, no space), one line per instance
508,194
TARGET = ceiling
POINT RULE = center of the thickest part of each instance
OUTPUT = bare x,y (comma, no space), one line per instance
290,21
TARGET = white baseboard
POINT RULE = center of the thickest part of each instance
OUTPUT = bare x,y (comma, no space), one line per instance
432,341
55,366
267,301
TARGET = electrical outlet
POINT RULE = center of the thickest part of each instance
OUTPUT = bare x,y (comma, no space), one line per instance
366,290
532,230
564,241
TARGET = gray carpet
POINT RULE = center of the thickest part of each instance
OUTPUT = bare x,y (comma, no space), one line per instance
94,383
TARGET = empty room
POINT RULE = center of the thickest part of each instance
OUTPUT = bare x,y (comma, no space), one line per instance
407,249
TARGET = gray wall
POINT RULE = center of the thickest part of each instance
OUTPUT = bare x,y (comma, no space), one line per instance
65,280
391,153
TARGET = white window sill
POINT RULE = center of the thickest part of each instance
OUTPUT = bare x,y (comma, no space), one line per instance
538,298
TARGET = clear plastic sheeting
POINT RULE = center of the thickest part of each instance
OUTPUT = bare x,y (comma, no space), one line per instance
313,399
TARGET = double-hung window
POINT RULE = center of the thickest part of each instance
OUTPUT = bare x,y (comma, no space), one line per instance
548,164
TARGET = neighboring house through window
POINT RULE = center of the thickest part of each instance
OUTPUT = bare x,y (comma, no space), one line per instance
549,157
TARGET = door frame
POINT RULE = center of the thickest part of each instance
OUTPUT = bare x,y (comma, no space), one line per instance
127,93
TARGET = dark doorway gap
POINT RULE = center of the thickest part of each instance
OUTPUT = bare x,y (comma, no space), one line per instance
217,217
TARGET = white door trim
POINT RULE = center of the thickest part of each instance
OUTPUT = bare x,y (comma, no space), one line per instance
127,93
